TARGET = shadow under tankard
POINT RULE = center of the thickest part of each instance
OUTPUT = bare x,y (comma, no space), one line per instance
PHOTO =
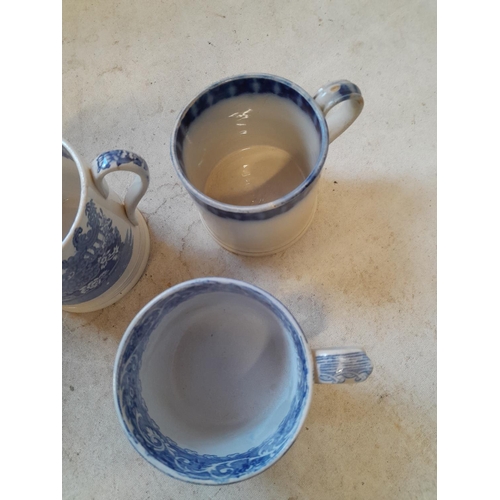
360,238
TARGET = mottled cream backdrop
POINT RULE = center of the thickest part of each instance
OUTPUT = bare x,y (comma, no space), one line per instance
364,273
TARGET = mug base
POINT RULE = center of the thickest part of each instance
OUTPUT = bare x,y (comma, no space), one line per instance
264,253
132,275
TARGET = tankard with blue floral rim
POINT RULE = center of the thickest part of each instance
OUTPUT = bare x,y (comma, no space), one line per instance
250,149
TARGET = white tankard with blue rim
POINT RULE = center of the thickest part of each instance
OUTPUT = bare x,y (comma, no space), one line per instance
105,242
301,127
213,380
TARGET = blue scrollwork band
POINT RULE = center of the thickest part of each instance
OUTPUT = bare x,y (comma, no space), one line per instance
153,443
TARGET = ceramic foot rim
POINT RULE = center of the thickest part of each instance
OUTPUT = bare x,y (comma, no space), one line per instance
267,252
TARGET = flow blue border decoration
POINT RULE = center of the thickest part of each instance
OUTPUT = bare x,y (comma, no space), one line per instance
250,84
65,154
144,433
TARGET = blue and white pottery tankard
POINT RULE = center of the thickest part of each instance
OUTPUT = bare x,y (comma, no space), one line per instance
259,112
213,380
105,242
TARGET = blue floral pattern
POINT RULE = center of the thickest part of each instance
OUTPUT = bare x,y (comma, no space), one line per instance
337,368
99,260
143,432
119,157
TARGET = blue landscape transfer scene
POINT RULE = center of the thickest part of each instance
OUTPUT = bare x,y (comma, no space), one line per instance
101,257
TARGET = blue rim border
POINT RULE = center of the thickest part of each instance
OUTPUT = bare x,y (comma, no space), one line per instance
172,291
267,210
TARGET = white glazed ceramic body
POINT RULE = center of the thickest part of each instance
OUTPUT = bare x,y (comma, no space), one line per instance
105,246
213,380
271,227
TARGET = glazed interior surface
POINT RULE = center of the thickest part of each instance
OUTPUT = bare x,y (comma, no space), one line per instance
250,149
71,192
218,374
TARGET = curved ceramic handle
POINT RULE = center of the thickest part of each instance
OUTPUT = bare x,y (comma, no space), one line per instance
339,116
343,364
114,161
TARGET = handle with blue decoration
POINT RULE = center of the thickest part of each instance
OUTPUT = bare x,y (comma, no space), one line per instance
121,160
341,103
343,364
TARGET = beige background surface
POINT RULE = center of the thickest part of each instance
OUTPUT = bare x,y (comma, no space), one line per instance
364,273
